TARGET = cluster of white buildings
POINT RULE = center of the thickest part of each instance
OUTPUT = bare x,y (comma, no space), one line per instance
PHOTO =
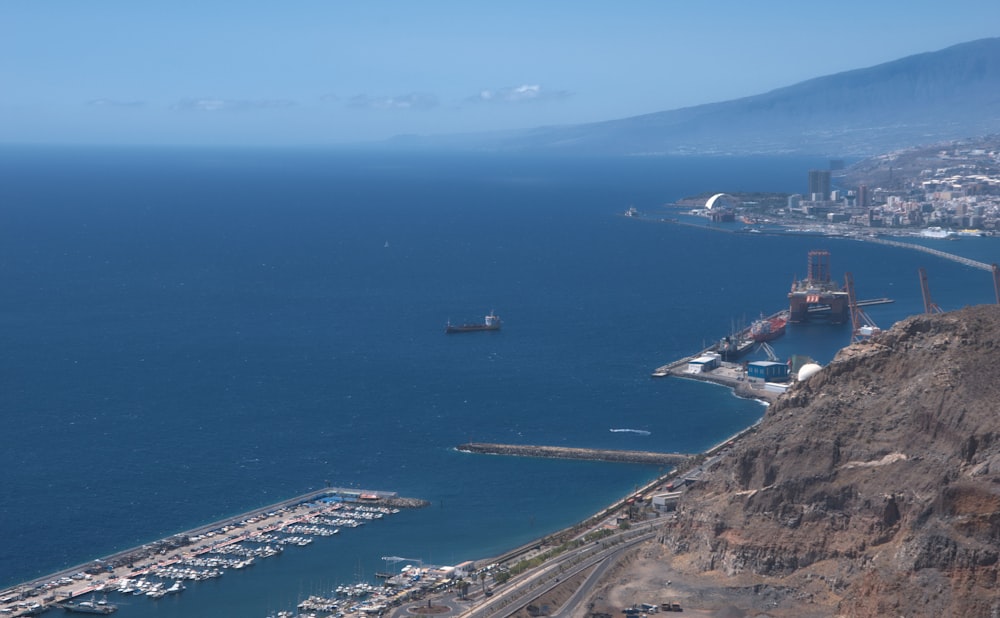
959,190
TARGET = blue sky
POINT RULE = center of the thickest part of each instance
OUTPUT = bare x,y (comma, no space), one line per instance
327,72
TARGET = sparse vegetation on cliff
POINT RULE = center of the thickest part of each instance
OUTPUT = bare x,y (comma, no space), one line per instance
871,489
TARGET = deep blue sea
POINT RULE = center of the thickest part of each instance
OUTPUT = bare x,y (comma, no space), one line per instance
190,334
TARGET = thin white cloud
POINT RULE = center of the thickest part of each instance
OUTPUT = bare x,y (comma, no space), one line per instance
519,94
227,105
114,103
413,100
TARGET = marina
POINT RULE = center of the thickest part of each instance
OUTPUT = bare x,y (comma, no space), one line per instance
158,569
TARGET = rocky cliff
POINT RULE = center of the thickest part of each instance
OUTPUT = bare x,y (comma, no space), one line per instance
875,484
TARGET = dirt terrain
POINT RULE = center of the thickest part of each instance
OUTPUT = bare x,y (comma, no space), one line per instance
871,489
650,574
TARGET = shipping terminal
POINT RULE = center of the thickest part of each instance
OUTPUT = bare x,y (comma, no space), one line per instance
817,297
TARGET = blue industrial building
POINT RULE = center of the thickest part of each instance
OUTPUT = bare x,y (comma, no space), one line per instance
769,371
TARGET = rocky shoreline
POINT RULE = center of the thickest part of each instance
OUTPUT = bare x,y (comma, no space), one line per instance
867,490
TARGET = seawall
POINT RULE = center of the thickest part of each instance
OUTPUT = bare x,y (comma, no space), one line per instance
561,452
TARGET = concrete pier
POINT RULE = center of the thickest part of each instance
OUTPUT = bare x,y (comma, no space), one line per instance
732,374
727,374
561,452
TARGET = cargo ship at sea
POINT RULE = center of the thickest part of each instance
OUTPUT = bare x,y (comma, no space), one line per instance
490,322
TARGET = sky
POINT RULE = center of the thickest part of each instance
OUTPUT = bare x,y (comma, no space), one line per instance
326,72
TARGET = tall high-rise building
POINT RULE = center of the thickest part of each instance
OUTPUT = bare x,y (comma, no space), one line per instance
864,197
819,184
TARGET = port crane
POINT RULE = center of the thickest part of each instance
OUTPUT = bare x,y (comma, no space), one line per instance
862,326
769,351
929,305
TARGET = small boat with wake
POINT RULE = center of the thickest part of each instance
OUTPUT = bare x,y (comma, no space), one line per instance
641,432
490,322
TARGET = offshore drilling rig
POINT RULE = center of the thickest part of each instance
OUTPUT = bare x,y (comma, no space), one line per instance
818,296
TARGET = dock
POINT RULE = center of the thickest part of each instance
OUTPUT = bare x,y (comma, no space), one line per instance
726,374
301,516
679,366
562,452
732,374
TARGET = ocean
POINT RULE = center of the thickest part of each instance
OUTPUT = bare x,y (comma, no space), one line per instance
190,334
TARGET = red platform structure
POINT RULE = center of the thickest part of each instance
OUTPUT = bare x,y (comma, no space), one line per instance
818,296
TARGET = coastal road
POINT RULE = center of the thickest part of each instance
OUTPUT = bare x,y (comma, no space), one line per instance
521,592
573,604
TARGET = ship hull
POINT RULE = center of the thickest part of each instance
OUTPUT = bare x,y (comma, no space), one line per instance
87,607
490,322
470,328
768,330
731,350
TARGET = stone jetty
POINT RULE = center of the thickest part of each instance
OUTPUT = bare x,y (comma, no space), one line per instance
562,452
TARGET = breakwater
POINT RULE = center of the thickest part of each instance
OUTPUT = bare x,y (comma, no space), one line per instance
936,252
562,452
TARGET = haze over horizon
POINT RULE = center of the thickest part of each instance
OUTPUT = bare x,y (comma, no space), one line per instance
323,74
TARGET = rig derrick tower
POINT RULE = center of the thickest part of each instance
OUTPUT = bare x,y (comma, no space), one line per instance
929,305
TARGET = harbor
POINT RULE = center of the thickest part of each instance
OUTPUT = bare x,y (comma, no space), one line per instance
719,362
724,373
765,380
234,543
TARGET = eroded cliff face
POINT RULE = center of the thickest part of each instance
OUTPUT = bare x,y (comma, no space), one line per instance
879,477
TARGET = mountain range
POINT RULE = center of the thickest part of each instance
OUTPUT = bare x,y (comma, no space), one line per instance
932,97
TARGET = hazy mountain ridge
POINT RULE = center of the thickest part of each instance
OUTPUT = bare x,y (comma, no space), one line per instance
949,94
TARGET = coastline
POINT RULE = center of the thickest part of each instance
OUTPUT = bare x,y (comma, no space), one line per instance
100,573
827,230
309,473
606,521
738,387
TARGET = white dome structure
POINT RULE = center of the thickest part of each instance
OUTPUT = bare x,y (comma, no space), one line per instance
721,200
807,371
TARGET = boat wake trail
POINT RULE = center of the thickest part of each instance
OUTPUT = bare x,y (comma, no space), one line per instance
641,432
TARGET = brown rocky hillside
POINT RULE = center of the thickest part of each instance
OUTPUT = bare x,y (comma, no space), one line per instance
871,489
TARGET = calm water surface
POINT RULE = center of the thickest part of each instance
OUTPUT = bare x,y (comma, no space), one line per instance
192,334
